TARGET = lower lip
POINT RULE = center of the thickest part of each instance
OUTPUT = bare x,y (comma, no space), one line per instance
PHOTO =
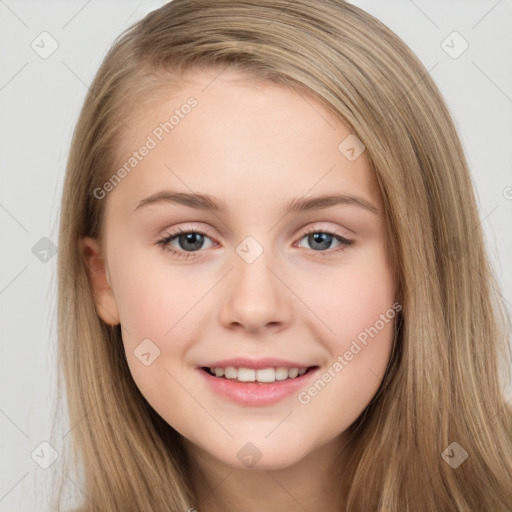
257,394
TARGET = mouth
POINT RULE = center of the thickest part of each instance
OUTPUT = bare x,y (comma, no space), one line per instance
257,387
271,375
262,387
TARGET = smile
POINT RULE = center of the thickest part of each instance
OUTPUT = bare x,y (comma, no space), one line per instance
261,375
253,392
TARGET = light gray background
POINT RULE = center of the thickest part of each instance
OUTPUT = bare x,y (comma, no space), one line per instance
39,104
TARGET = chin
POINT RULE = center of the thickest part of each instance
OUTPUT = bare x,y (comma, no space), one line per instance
258,456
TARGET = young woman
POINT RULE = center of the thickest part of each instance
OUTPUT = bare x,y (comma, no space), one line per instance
273,287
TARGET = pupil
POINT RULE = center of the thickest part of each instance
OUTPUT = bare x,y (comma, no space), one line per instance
321,237
193,238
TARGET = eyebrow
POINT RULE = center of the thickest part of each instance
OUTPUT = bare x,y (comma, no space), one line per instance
210,203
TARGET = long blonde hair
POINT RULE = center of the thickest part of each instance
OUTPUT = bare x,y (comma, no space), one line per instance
443,382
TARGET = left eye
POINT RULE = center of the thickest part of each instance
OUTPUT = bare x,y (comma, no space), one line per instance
323,240
193,240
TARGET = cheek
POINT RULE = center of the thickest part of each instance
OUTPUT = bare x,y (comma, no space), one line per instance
165,305
150,307
357,303
153,299
351,298
152,315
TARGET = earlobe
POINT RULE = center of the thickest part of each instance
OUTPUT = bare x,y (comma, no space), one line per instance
103,295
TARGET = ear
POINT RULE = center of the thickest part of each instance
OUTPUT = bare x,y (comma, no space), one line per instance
106,305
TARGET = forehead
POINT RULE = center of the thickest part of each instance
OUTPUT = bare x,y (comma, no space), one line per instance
242,132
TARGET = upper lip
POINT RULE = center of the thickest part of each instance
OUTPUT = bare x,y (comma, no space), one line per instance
267,362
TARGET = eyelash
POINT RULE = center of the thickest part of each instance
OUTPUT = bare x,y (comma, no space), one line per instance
164,242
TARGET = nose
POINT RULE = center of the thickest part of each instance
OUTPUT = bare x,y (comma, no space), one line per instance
255,298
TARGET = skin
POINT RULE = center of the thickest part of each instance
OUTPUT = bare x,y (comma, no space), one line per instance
256,146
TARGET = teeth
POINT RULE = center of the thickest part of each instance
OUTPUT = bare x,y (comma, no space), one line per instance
230,372
261,375
246,375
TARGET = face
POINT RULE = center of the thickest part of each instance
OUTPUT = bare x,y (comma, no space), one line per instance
279,287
